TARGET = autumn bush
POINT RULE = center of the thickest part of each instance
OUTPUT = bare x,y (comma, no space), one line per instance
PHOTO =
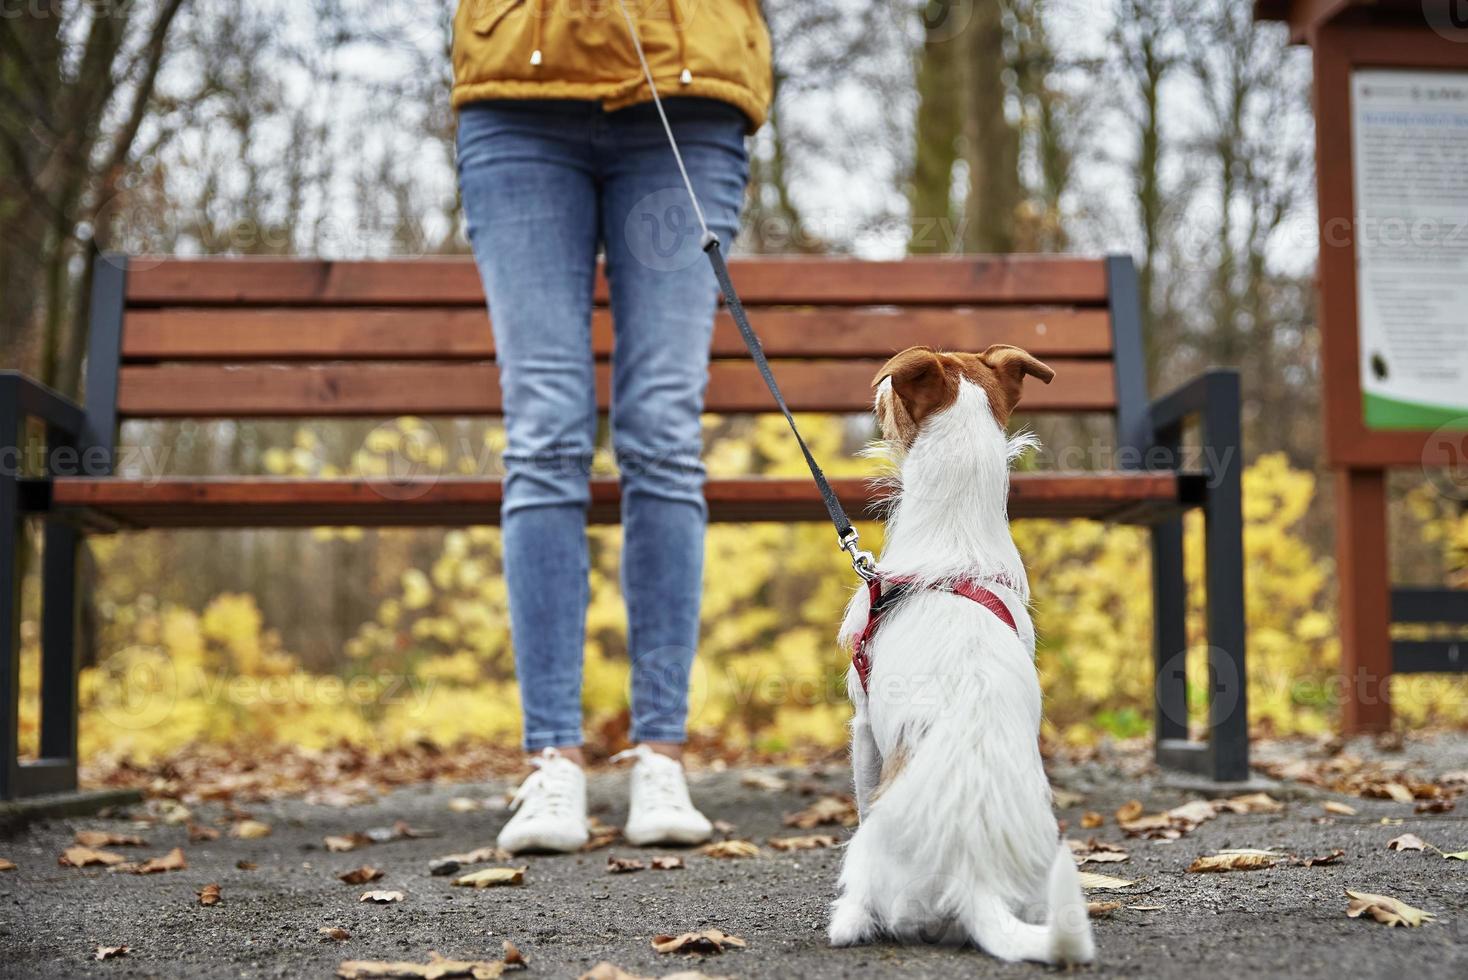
435,661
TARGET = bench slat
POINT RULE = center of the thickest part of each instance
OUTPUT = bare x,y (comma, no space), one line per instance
180,502
455,281
429,333
379,390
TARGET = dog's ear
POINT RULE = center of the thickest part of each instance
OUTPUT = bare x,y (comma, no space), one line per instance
922,380
1010,365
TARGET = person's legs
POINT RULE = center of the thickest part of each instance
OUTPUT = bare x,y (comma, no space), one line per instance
663,297
530,200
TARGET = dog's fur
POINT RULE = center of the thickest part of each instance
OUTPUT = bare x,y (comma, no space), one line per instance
957,840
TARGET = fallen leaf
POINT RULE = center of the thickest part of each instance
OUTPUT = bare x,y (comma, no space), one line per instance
1096,852
1385,909
462,804
437,968
1252,803
451,863
198,833
209,895
1129,811
346,842
334,934
1145,908
1064,799
81,857
360,876
513,956
172,861
1190,814
599,834
1456,856
1090,820
1407,842
1398,792
808,842
764,781
402,831
1092,880
1239,860
827,810
724,828
1311,862
1434,806
381,897
246,865
708,941
1339,809
105,838
492,877
108,952
667,862
616,865
730,849
1098,909
6,864
250,830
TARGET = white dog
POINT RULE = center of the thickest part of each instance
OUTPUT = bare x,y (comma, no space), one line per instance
957,839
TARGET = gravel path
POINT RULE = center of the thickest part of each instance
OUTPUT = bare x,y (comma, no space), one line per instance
570,913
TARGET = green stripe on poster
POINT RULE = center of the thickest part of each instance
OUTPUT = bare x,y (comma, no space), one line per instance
1389,413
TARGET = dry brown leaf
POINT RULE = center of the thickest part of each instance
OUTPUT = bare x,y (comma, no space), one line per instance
708,941
451,863
764,781
105,838
172,861
198,833
808,842
1312,862
1064,799
81,857
823,812
1385,909
1092,880
1098,909
360,876
492,877
1090,820
730,849
667,862
6,864
462,804
381,897
617,866
1397,792
1252,803
1434,806
346,842
1097,852
1339,809
513,956
334,934
599,834
437,968
1238,860
108,952
1408,842
250,830
724,828
1129,811
209,894
246,865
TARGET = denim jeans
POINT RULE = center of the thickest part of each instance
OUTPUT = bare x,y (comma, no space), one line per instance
544,184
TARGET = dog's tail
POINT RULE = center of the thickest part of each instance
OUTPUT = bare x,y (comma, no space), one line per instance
1065,937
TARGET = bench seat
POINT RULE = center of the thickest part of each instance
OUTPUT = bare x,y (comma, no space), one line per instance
110,503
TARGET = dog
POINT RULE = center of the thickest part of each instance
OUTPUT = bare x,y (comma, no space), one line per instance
957,841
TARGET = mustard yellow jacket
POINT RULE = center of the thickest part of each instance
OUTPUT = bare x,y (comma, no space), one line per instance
581,49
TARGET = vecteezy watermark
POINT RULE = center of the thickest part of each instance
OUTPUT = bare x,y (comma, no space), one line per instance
1222,684
1449,18
662,230
402,462
1445,459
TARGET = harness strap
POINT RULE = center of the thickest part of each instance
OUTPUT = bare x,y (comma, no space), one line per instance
881,601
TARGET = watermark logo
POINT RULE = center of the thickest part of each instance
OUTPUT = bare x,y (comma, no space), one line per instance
1222,685
1449,18
662,230
1445,459
402,462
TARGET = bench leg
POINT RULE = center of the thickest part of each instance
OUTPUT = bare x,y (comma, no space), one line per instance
12,529
59,661
1228,708
1169,631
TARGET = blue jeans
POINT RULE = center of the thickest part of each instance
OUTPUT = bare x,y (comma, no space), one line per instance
544,183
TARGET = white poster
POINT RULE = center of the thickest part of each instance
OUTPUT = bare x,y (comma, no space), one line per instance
1410,136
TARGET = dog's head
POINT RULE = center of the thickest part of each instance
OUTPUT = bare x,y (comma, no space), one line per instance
925,383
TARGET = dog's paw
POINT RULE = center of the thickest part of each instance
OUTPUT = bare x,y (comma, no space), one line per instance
850,924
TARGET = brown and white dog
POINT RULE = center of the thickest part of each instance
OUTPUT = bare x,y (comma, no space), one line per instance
957,840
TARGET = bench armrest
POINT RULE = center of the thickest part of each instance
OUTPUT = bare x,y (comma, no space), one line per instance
22,397
1212,397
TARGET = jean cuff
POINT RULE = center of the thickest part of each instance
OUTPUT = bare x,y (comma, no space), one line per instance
535,741
676,736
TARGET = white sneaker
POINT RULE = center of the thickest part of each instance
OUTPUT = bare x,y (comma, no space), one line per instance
550,807
661,812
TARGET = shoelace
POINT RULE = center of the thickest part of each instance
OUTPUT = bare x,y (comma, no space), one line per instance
660,780
543,791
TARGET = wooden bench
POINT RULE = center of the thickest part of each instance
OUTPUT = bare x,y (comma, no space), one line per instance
267,338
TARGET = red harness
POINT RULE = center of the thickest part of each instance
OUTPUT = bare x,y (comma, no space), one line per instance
882,601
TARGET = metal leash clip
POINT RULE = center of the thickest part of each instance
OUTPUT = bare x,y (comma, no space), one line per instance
863,561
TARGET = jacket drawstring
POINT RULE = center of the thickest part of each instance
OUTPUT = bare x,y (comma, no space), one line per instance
685,76
535,15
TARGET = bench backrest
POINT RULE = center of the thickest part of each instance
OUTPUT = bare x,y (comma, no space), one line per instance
259,338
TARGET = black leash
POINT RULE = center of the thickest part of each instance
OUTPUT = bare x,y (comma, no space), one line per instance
862,561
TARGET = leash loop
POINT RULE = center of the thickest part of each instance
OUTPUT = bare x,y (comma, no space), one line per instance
862,561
